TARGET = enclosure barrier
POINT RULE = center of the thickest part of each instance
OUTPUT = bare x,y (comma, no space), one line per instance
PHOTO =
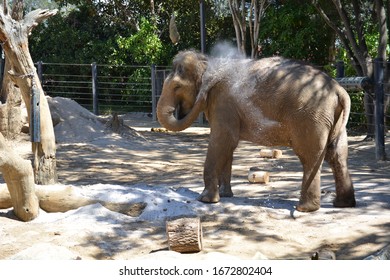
105,89
354,83
100,88
114,88
372,90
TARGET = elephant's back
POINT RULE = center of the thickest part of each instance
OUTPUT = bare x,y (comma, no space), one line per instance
289,90
298,82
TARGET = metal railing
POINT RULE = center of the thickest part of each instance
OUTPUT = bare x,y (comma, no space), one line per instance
104,89
100,88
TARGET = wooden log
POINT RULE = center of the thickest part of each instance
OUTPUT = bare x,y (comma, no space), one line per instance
277,153
5,198
268,153
255,175
19,177
184,234
62,198
52,198
14,33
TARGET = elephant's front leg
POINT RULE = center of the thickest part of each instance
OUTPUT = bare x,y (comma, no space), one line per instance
217,168
225,188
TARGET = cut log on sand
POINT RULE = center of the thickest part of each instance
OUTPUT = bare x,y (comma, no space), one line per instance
184,235
267,153
257,176
19,177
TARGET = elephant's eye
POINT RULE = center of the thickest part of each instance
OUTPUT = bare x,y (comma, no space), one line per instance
176,87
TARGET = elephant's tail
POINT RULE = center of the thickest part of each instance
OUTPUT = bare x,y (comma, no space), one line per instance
346,104
342,119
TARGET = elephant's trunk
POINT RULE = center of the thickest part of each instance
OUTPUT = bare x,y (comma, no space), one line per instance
166,107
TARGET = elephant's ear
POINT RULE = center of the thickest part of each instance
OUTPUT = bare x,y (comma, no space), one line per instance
208,82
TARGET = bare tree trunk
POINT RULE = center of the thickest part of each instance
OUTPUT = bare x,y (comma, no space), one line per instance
10,111
240,16
256,12
19,178
14,37
237,8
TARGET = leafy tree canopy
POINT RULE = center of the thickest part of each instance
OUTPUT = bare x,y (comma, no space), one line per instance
293,29
137,32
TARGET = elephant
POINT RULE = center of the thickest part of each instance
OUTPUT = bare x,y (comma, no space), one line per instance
270,102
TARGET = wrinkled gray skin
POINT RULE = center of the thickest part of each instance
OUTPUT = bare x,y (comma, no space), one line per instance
270,102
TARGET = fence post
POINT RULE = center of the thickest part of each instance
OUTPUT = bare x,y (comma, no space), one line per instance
340,73
40,71
2,65
154,94
95,101
35,115
379,110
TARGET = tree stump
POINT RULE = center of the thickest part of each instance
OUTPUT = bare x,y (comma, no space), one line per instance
267,153
255,175
184,235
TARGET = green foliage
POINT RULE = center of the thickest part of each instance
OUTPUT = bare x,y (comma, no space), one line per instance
294,29
72,37
130,32
357,118
142,48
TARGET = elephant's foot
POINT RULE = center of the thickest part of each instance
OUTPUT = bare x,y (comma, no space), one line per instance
342,203
308,206
209,196
225,191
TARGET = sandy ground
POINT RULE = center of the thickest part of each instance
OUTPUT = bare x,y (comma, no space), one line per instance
164,170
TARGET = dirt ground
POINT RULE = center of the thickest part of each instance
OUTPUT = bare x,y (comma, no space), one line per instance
258,222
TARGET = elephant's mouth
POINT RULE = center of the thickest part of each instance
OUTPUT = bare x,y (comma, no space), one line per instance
180,112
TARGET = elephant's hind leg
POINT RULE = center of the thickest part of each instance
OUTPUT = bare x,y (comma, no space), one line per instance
310,199
337,156
311,152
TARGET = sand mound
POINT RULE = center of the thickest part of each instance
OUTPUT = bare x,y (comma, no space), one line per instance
74,124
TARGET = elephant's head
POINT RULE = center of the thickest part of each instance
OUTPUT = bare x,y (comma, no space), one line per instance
180,92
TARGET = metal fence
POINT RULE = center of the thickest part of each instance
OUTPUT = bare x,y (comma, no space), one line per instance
104,89
370,100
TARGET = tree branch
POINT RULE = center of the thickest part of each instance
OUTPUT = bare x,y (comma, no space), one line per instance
342,36
359,25
5,7
17,10
33,18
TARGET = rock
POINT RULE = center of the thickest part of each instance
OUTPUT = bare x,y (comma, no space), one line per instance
259,256
324,254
